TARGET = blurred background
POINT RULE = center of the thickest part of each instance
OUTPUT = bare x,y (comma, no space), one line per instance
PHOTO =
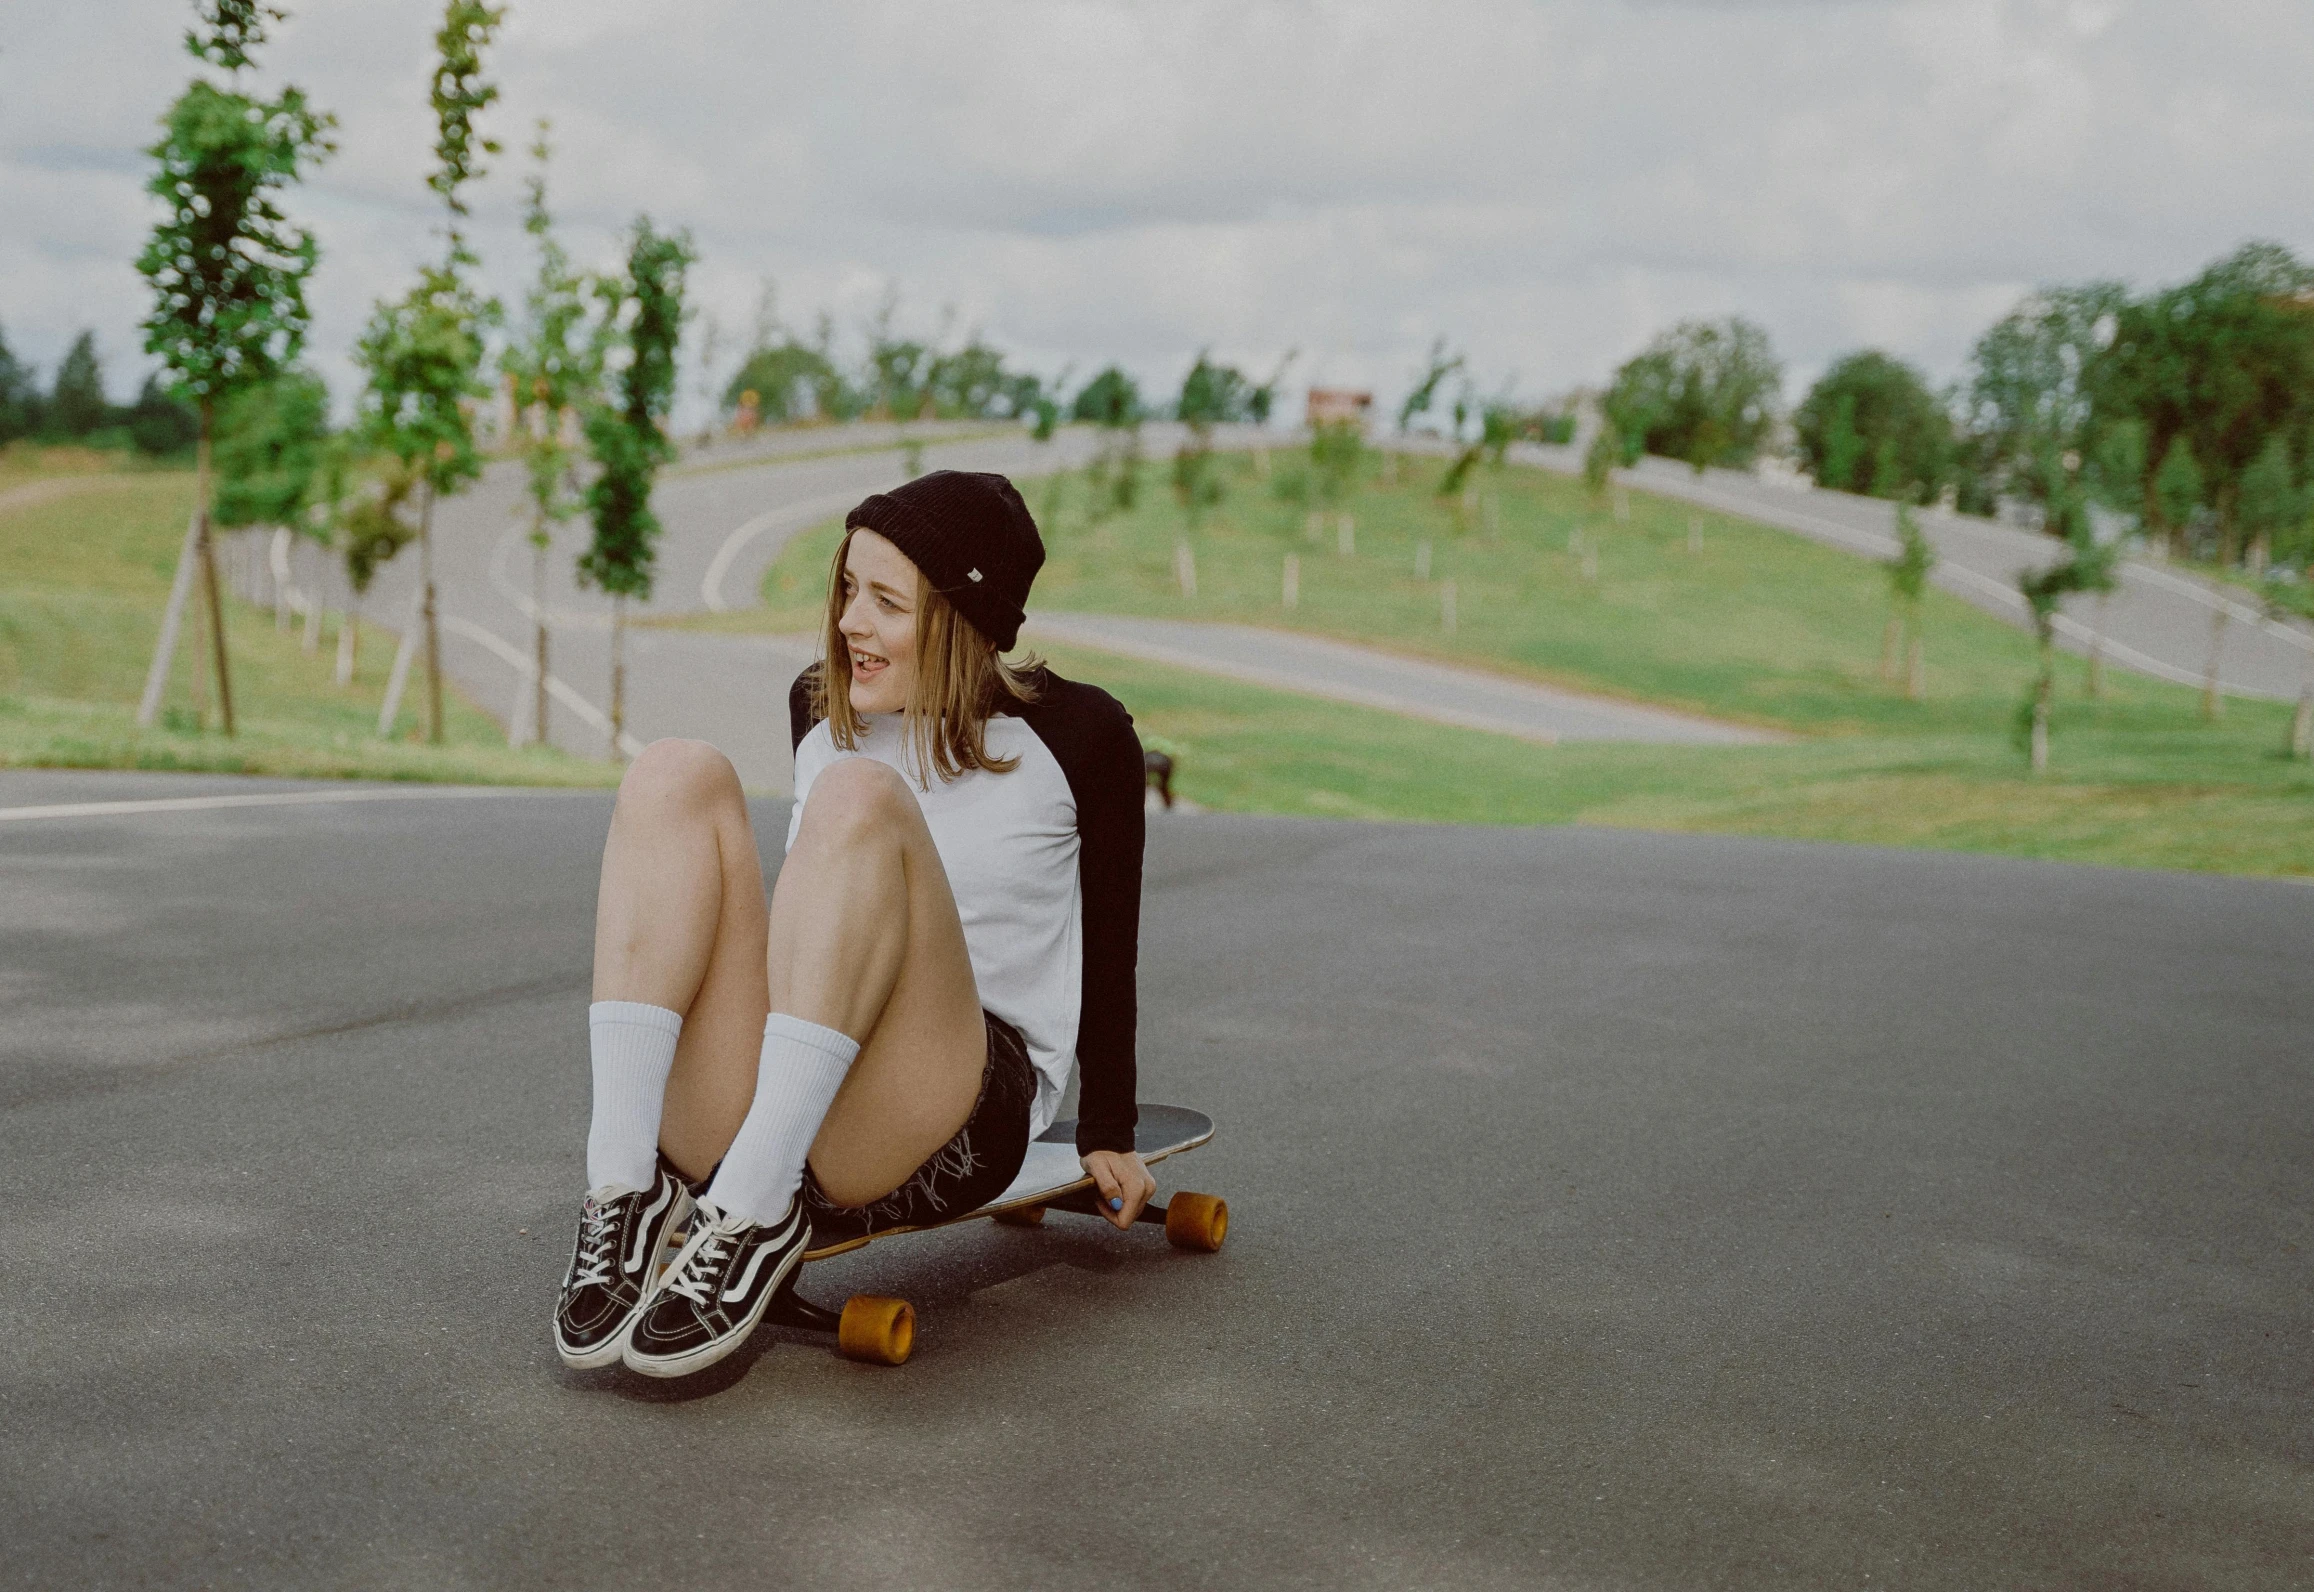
1547,185
1907,404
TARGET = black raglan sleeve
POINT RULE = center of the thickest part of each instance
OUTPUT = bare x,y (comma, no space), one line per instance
1091,737
799,706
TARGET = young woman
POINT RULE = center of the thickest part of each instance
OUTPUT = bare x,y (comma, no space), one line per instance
954,929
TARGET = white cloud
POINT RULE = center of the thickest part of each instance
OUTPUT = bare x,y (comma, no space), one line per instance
1546,183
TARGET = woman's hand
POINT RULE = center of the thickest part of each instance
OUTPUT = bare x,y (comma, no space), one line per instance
1124,1183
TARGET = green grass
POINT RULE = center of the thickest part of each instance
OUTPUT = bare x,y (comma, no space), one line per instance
1246,749
1759,627
87,575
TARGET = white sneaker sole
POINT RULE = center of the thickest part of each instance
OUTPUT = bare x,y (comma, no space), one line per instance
605,1353
707,1354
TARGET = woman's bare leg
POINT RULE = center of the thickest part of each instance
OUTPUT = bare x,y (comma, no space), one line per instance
864,938
680,923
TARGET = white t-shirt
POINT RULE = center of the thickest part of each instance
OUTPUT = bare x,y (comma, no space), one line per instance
1009,844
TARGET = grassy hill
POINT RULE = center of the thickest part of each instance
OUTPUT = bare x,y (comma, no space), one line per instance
1746,623
86,554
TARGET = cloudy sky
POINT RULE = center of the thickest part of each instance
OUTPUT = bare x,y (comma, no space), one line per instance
1545,184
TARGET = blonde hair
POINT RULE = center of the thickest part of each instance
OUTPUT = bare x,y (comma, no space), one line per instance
960,681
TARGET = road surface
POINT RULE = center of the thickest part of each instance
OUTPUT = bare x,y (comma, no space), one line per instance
1609,1210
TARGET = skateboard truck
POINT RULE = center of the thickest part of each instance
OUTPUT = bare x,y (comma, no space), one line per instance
882,1330
870,1327
1087,1202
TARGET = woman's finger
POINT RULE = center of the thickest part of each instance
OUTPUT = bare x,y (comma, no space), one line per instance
1104,1173
1136,1186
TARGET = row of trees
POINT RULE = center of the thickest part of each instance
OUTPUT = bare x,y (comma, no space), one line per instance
594,354
2188,409
75,407
787,377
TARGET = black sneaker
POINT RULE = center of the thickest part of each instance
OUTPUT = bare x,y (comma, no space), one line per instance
716,1291
621,1233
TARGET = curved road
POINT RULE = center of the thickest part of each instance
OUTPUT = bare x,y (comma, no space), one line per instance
728,511
726,516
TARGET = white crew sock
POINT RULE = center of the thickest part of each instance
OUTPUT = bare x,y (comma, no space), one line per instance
634,1047
802,1067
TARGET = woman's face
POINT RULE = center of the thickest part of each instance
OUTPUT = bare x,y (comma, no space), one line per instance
879,623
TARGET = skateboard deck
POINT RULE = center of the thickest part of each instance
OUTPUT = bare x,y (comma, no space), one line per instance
882,1331
1051,1173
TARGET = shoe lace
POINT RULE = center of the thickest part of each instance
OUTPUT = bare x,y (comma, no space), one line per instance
696,1267
598,1243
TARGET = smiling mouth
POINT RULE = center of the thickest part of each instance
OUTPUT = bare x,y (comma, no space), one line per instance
866,665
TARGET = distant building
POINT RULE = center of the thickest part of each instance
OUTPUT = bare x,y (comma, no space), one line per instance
1331,405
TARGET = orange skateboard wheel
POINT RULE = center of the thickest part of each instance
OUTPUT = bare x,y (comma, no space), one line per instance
1020,1216
876,1330
1196,1221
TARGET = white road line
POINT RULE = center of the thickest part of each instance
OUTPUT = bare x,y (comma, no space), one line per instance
528,669
559,618
284,798
793,515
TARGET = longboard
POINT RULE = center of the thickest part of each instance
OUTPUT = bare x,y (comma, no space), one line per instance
882,1331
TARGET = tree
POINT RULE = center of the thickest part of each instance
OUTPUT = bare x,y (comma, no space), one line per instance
1110,399
1908,575
2034,377
2116,467
1337,450
2292,602
1871,425
2087,566
19,396
158,424
1211,395
1436,367
1498,427
2224,362
1031,397
790,381
1455,478
971,383
554,368
2270,504
643,311
423,353
1606,451
1263,398
227,269
269,446
76,405
368,528
2177,490
1704,392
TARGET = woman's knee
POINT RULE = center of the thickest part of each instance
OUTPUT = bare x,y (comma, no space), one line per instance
858,799
679,774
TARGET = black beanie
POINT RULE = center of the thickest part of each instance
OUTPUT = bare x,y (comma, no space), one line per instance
973,538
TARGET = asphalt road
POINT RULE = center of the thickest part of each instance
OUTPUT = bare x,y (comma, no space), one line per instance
1609,1210
1346,672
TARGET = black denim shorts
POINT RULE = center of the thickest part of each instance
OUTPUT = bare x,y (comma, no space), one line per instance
962,1175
